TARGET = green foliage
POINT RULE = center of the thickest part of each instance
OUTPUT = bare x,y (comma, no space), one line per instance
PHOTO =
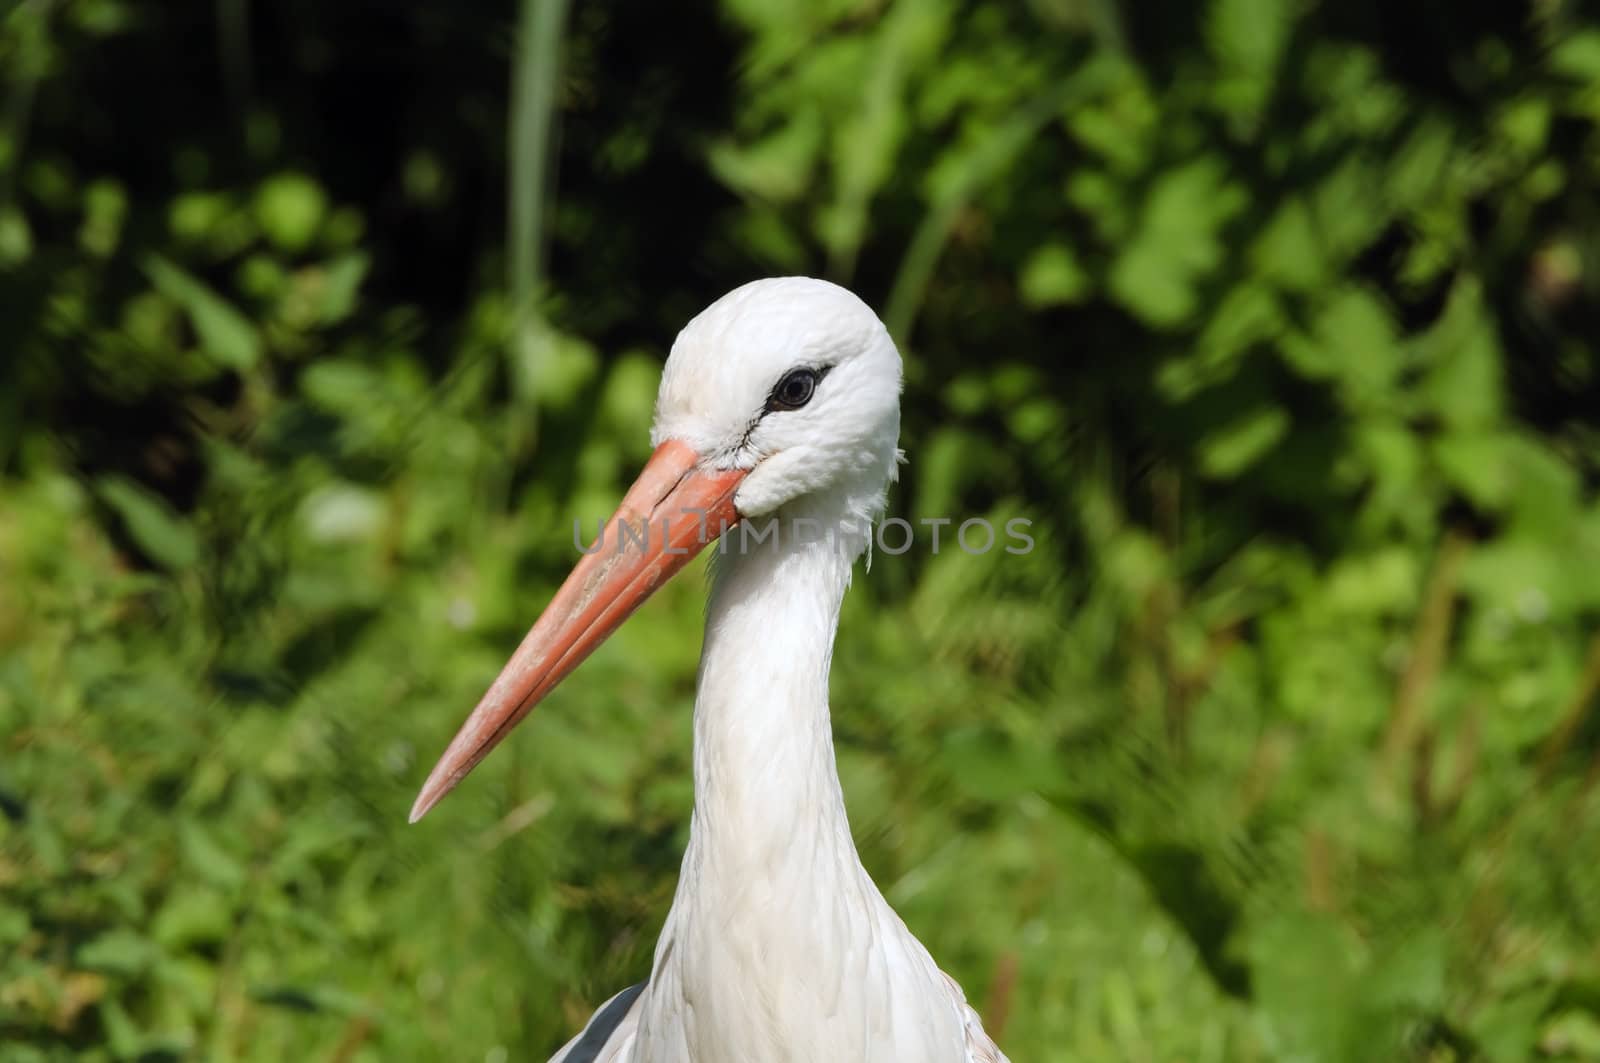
1276,319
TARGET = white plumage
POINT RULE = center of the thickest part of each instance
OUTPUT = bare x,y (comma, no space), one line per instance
778,946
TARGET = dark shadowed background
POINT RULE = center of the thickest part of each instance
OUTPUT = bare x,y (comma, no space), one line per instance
321,322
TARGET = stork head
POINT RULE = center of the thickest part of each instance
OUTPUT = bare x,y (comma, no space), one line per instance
793,381
783,393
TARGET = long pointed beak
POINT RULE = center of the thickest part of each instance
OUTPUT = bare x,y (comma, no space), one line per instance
676,509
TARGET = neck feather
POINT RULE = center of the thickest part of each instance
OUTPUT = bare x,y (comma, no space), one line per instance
778,945
766,784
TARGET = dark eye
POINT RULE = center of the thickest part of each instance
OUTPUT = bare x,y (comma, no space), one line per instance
794,390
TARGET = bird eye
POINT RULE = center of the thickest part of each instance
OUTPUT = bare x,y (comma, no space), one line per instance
794,390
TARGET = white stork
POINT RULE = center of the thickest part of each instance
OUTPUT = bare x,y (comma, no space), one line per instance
782,399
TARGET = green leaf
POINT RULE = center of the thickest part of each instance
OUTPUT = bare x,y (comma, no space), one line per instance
105,207
568,365
207,858
1578,55
14,925
225,334
1507,1028
1248,38
1150,284
1409,974
1102,199
341,285
1510,571
1176,244
1119,127
1524,125
1474,464
777,167
989,767
1380,583
1352,341
1228,451
163,535
120,951
1546,487
948,463
1346,207
1249,34
290,208
1421,164
1304,969
1573,1033
193,215
1463,382
628,396
16,237
342,386
1288,252
193,916
1052,277
122,1034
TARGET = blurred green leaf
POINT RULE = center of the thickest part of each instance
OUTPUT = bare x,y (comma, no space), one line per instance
777,167
1508,1028
162,534
1578,55
290,209
1304,968
1177,243
1052,276
341,284
206,857
1474,464
1248,38
1463,384
1231,449
105,210
225,334
120,952
1352,341
193,917
1573,1032
16,237
1288,251
986,767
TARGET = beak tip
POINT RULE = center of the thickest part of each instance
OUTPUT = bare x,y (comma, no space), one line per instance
431,794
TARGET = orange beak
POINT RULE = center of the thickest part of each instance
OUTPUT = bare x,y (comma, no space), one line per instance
676,509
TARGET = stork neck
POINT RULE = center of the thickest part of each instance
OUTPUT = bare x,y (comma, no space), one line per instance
779,945
764,769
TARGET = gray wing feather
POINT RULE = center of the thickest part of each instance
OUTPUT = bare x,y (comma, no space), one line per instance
609,1034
